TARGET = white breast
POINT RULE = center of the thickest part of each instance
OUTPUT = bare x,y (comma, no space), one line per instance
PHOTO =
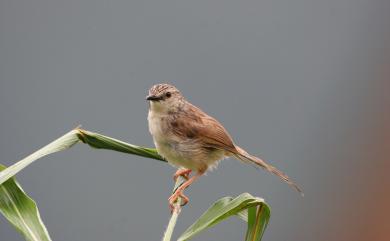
155,125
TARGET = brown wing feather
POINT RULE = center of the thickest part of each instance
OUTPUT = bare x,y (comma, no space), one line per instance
195,124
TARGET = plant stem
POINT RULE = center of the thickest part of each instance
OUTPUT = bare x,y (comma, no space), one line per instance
175,212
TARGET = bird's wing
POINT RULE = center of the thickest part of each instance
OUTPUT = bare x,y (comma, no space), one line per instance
197,125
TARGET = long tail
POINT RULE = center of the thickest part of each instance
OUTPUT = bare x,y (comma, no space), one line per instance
245,157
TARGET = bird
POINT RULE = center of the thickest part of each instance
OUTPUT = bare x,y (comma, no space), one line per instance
192,140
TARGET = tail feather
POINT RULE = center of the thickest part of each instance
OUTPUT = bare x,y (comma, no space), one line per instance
245,157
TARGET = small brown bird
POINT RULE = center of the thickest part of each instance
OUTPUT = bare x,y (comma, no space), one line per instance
191,140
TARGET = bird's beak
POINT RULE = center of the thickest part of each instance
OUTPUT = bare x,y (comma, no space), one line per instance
153,98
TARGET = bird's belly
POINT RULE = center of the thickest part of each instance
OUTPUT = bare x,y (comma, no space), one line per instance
174,156
189,155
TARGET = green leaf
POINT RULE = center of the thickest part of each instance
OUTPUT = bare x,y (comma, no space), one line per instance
69,139
104,142
251,209
21,211
64,142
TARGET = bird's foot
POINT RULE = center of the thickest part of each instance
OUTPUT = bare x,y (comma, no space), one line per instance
182,172
179,191
174,198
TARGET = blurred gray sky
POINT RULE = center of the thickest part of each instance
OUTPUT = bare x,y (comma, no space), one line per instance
302,83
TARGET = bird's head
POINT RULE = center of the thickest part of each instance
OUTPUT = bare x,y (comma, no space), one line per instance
164,97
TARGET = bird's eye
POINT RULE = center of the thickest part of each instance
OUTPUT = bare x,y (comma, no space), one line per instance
168,94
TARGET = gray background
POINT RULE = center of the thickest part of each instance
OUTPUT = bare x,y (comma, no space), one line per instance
304,83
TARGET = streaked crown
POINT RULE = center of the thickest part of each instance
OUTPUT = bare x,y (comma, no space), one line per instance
160,89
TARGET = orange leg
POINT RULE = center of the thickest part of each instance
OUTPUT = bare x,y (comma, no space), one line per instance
179,192
182,172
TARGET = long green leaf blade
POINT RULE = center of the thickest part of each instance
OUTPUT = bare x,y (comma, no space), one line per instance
21,211
104,142
257,218
62,143
69,139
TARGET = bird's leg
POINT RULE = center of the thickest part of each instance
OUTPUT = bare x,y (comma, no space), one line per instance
182,172
179,191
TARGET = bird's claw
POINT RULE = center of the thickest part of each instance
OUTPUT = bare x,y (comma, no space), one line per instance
174,198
